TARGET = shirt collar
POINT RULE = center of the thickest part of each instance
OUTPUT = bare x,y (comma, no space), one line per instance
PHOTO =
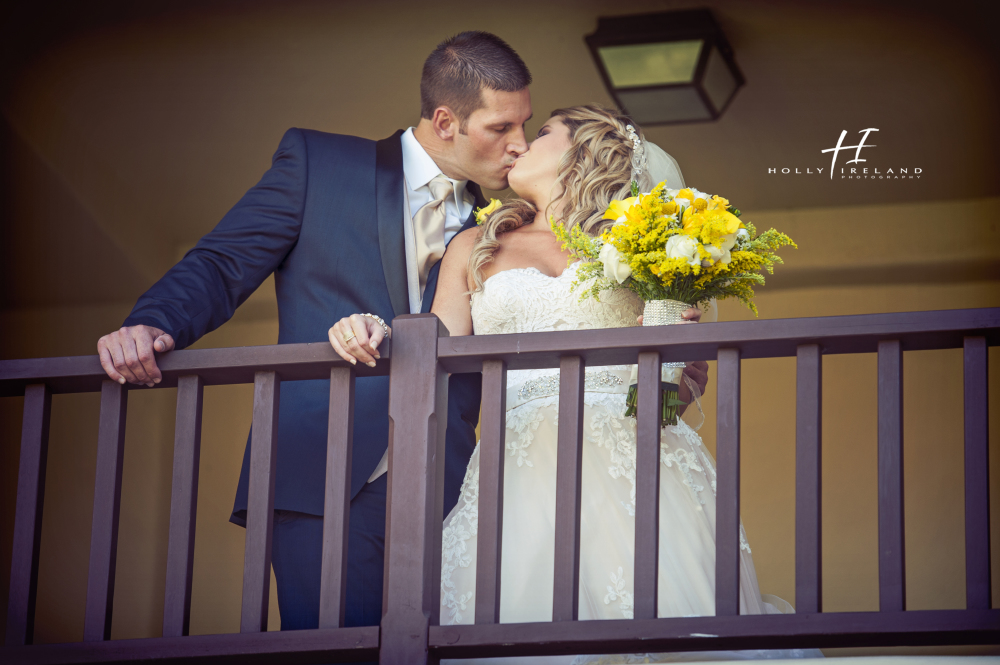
419,168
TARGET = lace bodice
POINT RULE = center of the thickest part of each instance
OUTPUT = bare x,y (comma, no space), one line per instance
527,300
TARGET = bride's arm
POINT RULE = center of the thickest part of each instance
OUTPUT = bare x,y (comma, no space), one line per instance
451,301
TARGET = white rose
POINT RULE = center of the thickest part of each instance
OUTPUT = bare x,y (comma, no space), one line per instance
680,246
718,254
614,267
722,253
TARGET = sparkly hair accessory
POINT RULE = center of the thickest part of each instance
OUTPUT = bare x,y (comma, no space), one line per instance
638,155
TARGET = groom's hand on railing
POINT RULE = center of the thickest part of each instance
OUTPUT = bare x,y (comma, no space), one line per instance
127,354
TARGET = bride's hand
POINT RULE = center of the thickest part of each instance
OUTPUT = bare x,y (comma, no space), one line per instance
690,315
357,337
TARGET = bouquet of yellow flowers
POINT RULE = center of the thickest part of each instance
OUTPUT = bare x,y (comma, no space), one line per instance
674,248
682,245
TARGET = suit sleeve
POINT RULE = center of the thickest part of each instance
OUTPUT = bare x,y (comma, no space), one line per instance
204,289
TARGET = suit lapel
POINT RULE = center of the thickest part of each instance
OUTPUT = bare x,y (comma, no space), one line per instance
389,207
432,276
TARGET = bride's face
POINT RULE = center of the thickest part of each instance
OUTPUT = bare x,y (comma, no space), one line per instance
533,174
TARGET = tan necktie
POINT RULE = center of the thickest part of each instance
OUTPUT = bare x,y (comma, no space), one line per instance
428,228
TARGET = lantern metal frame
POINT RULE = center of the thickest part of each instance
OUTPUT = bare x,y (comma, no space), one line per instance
665,27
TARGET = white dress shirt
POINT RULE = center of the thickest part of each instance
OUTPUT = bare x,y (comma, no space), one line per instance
418,170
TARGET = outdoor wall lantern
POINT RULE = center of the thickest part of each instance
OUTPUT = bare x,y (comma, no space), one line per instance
666,67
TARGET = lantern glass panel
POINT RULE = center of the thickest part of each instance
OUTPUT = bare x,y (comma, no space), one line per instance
662,63
719,82
673,104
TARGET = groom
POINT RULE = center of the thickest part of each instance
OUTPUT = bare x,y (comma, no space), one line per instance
347,225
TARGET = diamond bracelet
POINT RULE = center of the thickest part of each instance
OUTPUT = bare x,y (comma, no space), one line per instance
378,319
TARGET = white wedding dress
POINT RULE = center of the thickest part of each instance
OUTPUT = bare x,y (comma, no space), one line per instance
526,300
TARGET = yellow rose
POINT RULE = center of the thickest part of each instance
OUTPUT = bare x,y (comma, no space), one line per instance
685,194
485,212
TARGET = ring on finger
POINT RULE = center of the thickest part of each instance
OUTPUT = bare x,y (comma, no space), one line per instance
348,337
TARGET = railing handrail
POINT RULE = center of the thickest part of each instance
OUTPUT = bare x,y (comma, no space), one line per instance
769,338
224,366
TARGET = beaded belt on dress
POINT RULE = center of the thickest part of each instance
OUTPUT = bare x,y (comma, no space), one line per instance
596,379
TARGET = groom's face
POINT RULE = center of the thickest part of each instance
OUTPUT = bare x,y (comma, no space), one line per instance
493,137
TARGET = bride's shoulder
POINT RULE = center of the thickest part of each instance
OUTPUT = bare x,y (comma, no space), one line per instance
460,248
464,241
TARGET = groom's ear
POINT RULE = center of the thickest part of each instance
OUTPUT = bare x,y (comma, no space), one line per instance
445,123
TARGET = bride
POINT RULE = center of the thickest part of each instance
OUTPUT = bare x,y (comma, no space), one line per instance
511,276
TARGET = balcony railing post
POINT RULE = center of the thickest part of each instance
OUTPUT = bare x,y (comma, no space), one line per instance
727,512
647,487
493,427
977,476
891,564
260,503
808,479
28,515
418,404
183,507
569,471
337,504
107,501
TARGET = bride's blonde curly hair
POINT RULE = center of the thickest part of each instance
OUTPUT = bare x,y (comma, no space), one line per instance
594,171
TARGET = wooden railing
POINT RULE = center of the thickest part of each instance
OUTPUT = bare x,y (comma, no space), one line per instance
418,361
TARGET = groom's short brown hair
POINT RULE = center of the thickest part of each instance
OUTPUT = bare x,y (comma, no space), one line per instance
456,72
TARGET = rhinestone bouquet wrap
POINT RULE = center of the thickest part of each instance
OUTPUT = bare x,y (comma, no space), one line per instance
664,313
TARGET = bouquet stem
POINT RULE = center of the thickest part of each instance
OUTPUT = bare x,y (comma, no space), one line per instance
669,402
662,313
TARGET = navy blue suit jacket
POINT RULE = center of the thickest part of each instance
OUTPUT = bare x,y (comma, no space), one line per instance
327,220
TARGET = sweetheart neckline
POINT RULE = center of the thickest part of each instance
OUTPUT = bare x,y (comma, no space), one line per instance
532,269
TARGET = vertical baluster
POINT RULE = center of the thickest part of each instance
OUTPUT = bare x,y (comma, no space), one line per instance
492,426
647,487
107,501
183,507
260,503
28,515
337,504
727,511
977,476
892,568
569,469
808,480
417,421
